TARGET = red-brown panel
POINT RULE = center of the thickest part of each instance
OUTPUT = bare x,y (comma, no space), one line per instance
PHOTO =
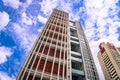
36,78
58,24
49,27
54,22
60,38
55,70
41,65
41,49
52,52
50,35
45,50
102,49
62,25
57,53
63,39
35,63
65,71
57,29
48,67
55,36
65,55
62,31
62,55
53,28
30,77
61,70
47,33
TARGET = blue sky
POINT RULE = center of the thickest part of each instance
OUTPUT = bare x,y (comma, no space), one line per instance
22,20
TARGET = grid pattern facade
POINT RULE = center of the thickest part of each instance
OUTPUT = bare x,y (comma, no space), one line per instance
109,58
48,58
61,52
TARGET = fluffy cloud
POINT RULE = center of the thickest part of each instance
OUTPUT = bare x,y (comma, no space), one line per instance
41,19
24,36
40,29
4,76
101,25
13,3
48,5
26,20
4,19
4,53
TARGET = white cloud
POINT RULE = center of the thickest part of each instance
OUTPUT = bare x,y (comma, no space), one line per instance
48,5
13,3
4,19
41,19
100,24
24,36
29,2
4,53
40,29
4,76
67,7
26,20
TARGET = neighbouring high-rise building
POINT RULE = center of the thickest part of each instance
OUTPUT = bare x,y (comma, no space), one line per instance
61,52
109,59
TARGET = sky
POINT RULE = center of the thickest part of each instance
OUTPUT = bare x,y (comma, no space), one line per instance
21,21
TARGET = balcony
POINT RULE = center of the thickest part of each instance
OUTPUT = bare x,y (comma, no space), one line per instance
73,27
77,72
76,42
75,47
73,32
76,59
73,37
75,53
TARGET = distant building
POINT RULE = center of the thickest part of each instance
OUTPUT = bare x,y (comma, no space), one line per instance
109,59
61,52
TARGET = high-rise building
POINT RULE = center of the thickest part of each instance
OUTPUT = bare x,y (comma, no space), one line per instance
61,52
109,59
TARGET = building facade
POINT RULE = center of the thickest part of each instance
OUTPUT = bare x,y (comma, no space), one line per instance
61,52
109,59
